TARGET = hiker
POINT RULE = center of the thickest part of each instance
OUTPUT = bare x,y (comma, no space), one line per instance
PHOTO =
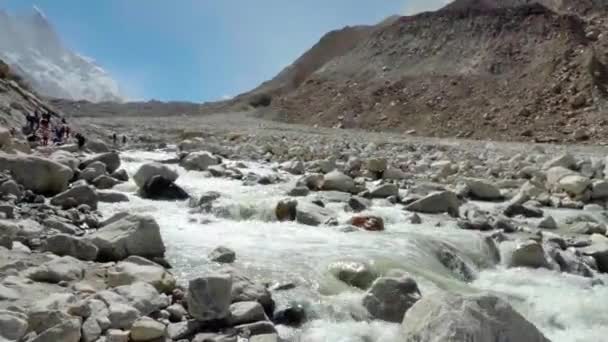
81,140
66,129
45,131
114,138
59,132
124,139
13,131
31,122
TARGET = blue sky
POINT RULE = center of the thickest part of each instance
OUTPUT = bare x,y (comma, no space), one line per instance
200,50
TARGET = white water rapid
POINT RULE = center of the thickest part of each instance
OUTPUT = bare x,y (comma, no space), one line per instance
566,308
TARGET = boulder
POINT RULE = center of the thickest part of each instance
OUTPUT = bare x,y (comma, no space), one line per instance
565,160
121,175
149,170
128,235
122,316
588,228
295,167
105,182
447,317
40,175
574,185
11,187
112,197
13,325
435,203
292,315
222,254
64,268
599,189
376,165
116,335
209,297
389,298
65,158
89,174
313,215
141,296
358,204
483,190
81,194
384,191
66,331
368,222
110,159
246,312
176,312
515,209
63,244
199,161
547,222
160,188
353,273
298,191
599,251
555,174
393,173
313,181
137,269
61,226
246,290
8,233
338,181
529,254
97,146
147,329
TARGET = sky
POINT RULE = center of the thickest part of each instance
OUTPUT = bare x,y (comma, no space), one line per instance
202,50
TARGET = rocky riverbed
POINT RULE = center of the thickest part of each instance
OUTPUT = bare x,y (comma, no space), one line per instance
237,232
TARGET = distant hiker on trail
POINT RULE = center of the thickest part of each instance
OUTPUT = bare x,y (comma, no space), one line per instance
66,129
114,138
124,139
59,132
81,140
32,122
45,131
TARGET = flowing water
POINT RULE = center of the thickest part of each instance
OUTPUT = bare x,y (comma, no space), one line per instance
566,308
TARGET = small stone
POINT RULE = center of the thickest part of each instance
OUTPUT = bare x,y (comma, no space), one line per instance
147,329
222,254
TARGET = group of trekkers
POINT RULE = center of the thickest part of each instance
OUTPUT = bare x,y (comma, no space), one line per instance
44,128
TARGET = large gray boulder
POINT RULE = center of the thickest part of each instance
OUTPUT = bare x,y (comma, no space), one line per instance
147,329
110,159
384,191
65,158
435,203
64,268
209,297
528,254
354,273
63,244
599,251
483,190
40,175
446,317
137,269
149,170
8,233
67,331
199,161
313,215
389,298
13,325
128,235
81,194
141,296
338,181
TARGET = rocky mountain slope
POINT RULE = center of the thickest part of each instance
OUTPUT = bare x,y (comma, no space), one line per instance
31,46
477,68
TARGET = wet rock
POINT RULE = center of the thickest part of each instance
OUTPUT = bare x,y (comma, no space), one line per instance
128,235
11,187
529,254
91,330
547,222
110,159
61,226
295,167
384,191
435,203
257,328
97,146
338,181
367,222
121,175
298,191
569,262
60,269
599,189
246,312
104,182
112,197
160,188
389,298
199,161
313,215
451,317
176,312
82,194
292,315
37,174
222,254
63,244
149,170
483,190
353,273
209,297
376,165
137,269
245,290
588,228
453,262
89,174
358,204
286,210
312,181
515,209
414,219
473,218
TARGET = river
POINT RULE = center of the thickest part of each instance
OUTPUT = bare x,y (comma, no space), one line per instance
565,307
